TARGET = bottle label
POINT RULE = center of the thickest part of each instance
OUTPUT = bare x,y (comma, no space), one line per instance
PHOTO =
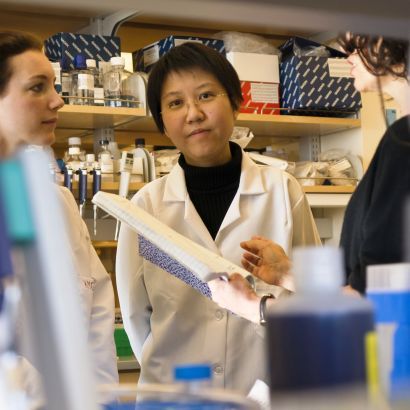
73,150
99,96
106,164
85,82
65,83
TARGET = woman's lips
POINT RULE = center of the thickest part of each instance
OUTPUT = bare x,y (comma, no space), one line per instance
198,131
51,121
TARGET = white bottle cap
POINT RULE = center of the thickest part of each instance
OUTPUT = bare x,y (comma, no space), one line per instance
90,63
318,269
117,61
90,158
74,141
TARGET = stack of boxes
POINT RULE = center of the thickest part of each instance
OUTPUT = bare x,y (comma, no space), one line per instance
259,75
297,85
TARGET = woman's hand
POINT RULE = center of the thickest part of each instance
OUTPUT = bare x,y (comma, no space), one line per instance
265,259
236,295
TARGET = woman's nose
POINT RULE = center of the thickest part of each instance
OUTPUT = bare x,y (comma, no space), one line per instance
194,112
56,101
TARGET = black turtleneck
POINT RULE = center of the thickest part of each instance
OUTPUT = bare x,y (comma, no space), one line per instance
212,189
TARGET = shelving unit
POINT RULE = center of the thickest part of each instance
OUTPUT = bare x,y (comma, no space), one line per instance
83,118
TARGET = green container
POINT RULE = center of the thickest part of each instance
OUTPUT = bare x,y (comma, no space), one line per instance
122,343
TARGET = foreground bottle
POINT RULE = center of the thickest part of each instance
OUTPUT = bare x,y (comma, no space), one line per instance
191,390
317,338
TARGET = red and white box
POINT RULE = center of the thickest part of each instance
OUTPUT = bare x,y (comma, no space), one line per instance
259,75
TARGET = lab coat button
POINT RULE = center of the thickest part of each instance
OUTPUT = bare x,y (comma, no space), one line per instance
218,369
219,315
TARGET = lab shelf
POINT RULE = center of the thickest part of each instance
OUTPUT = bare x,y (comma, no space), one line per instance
88,118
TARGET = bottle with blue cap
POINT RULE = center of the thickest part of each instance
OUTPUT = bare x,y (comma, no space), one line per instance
193,377
191,390
82,83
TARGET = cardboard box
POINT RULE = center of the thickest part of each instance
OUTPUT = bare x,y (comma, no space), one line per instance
259,75
63,47
260,98
255,67
316,85
146,57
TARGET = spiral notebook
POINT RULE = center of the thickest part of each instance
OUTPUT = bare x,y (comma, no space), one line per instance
166,248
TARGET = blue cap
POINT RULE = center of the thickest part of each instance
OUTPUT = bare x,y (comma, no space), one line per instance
192,372
79,61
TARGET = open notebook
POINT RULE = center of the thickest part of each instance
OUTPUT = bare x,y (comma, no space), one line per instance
166,248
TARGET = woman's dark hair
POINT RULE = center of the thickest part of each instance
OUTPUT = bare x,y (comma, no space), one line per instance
184,57
13,43
380,55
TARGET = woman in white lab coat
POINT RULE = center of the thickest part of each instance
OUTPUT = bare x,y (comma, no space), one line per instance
215,195
28,115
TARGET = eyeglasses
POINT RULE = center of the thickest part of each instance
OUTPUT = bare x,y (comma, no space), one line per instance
179,106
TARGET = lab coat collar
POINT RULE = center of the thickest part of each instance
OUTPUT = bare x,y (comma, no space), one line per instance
251,183
175,187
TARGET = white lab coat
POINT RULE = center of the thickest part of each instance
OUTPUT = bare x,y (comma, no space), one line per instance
96,291
97,303
170,323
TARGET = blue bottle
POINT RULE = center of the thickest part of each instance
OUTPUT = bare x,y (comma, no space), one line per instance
316,338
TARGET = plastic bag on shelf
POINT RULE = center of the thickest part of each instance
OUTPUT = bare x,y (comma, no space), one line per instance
310,51
247,43
311,173
165,159
340,169
242,136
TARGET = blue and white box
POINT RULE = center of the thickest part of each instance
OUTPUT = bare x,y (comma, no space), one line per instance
63,47
145,58
312,85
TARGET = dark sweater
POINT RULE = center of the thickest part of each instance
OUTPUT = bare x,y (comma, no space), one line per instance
212,189
373,225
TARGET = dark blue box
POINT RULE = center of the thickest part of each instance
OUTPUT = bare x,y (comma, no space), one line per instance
146,57
63,47
316,85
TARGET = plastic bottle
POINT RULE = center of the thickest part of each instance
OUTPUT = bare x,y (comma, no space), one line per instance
191,390
75,143
317,337
90,164
116,158
57,72
74,158
193,377
135,88
388,287
114,92
82,83
98,86
105,161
